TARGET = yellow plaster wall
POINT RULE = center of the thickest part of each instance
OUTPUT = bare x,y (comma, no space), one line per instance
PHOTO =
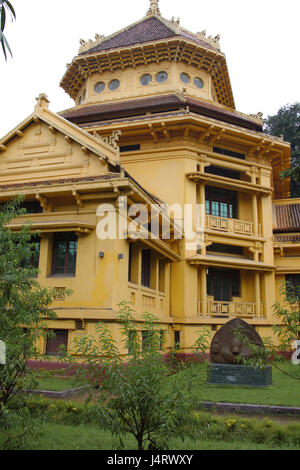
130,86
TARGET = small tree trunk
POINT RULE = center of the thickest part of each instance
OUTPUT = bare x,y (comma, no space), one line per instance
140,444
139,439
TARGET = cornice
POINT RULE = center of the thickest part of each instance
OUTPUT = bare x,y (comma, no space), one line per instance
177,49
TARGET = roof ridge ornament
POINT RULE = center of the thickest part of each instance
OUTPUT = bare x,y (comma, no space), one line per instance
42,101
154,8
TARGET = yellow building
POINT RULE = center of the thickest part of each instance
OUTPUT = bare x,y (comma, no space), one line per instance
154,126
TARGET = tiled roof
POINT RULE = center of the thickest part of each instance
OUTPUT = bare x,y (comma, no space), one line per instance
287,218
148,30
58,181
107,176
169,102
287,238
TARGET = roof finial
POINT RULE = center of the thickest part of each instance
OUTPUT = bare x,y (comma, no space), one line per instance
154,8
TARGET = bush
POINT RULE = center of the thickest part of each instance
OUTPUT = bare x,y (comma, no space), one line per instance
205,426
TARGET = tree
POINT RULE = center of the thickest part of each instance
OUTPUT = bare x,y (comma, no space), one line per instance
138,397
286,123
5,8
287,334
24,305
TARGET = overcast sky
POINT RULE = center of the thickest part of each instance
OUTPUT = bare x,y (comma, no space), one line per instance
259,37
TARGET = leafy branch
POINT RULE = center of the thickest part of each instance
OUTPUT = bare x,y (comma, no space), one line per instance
6,9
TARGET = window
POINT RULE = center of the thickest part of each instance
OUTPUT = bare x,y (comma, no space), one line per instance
294,280
162,340
79,325
161,275
32,207
162,77
99,87
56,342
147,340
228,249
131,338
185,78
221,202
223,284
64,254
34,258
130,148
229,153
198,82
177,339
130,262
146,267
219,171
133,263
146,79
114,85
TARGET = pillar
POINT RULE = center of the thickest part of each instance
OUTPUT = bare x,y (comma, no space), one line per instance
257,294
255,214
203,282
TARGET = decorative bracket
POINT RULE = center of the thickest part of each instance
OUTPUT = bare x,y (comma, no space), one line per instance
77,198
153,133
166,131
44,202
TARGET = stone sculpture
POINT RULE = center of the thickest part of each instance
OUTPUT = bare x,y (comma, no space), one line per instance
226,345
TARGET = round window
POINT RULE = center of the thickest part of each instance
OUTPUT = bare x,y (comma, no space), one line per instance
198,82
161,77
99,87
146,79
185,78
114,85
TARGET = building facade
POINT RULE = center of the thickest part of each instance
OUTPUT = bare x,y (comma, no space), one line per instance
155,126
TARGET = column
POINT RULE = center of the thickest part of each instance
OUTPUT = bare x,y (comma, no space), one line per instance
255,214
203,282
257,293
139,267
202,194
203,216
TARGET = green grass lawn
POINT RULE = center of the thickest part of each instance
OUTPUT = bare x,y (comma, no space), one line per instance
285,391
57,384
85,437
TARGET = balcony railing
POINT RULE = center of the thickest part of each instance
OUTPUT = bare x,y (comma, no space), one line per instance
230,309
222,224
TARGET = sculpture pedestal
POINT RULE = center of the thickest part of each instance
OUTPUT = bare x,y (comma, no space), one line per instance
231,374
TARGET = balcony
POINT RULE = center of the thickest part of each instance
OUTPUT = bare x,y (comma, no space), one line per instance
235,226
222,309
146,299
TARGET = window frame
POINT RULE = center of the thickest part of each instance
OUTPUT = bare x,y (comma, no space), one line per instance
294,280
216,199
234,284
58,238
34,259
50,340
146,268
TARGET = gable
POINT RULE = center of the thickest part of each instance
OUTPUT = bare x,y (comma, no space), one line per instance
46,147
38,154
